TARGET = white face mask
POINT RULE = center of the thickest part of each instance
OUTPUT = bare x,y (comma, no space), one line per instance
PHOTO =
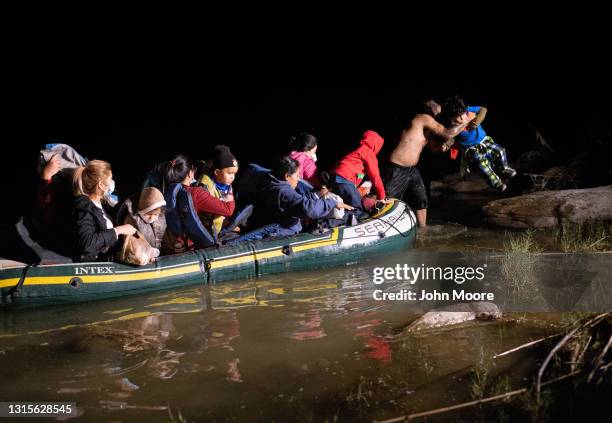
111,187
314,157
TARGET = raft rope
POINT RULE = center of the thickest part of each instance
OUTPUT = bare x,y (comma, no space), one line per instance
382,234
15,290
391,225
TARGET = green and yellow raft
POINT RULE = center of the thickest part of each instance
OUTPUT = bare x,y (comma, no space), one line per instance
391,229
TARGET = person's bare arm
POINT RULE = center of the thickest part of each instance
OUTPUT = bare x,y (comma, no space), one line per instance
439,138
479,118
432,127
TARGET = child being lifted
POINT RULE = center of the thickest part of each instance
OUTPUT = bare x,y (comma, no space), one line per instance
476,146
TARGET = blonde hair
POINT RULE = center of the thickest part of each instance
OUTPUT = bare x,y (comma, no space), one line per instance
86,178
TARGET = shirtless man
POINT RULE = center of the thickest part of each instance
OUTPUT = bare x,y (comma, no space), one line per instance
401,173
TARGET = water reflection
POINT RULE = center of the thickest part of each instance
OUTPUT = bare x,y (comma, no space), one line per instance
306,326
303,346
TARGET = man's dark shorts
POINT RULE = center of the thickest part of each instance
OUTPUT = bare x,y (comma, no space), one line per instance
405,183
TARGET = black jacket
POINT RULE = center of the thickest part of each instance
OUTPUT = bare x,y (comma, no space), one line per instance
93,241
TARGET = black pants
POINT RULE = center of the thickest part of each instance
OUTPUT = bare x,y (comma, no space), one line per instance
405,183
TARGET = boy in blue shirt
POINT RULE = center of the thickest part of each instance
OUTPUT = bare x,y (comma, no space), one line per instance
476,146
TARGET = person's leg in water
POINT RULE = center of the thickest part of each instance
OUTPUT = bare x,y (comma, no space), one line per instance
400,180
478,156
421,216
497,157
418,196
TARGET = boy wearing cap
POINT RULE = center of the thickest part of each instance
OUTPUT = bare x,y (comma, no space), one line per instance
218,181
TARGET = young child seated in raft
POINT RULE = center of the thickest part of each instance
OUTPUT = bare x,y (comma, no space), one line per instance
279,208
304,150
350,172
145,212
218,179
181,170
476,146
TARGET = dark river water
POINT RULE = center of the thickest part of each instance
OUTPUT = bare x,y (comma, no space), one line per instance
308,346
304,346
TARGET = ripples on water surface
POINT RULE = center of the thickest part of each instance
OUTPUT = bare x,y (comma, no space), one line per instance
301,346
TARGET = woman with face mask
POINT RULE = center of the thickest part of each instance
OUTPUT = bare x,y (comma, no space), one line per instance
304,150
96,236
145,212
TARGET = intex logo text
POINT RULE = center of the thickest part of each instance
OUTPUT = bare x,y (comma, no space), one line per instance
94,270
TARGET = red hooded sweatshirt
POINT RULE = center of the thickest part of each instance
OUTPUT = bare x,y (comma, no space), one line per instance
354,166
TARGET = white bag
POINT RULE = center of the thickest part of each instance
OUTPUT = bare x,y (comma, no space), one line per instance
337,213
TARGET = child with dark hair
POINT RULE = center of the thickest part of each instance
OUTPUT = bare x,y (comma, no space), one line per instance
304,150
181,170
218,181
476,146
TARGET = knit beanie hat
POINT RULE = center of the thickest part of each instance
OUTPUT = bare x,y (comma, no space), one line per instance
150,199
223,157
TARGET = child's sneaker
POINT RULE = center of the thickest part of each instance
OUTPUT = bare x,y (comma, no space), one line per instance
502,188
509,172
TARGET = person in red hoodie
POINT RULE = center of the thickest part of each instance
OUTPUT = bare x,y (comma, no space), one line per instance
350,172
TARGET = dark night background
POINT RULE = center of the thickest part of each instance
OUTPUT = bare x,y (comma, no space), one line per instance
136,116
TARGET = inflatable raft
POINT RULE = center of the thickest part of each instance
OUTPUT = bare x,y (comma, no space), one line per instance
392,228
